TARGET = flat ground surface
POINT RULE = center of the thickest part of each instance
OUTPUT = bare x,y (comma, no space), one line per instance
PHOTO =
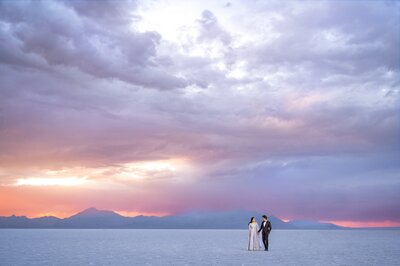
196,247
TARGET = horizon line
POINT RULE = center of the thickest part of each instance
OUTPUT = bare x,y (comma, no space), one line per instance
348,224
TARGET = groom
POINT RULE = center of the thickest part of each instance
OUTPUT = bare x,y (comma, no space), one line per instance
266,229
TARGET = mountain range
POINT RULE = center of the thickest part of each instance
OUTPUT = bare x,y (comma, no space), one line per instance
94,218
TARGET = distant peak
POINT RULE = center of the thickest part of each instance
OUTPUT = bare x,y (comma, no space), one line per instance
90,210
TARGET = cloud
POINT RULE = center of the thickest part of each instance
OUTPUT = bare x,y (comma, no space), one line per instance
77,37
211,30
261,102
341,38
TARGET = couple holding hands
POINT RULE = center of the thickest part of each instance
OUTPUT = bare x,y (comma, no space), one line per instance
254,231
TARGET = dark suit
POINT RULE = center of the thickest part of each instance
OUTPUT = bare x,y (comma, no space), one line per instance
266,229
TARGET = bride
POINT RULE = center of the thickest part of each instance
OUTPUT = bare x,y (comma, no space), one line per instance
254,243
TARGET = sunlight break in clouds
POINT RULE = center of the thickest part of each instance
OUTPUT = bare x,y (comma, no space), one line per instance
148,170
64,181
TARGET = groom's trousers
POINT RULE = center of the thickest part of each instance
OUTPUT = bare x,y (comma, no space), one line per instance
265,239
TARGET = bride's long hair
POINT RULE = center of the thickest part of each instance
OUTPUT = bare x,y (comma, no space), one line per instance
251,220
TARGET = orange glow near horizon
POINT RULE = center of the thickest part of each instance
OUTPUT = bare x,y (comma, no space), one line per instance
365,224
71,190
133,214
358,224
30,215
62,214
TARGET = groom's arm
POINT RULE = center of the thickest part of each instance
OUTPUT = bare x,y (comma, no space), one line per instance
261,228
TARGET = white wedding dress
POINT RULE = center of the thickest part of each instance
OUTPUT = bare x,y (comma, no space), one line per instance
254,243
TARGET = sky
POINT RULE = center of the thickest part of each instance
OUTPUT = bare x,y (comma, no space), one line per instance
160,107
